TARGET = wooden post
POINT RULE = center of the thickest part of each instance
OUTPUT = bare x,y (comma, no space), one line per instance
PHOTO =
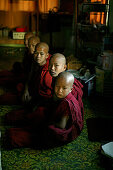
37,17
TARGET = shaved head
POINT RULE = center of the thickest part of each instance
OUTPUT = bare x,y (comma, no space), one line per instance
32,43
34,40
59,56
63,84
57,64
68,77
41,53
42,45
26,37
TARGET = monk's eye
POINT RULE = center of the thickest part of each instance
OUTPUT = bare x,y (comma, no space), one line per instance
36,53
41,53
56,65
64,88
33,45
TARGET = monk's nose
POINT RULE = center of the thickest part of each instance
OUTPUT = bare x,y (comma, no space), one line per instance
53,67
38,55
60,90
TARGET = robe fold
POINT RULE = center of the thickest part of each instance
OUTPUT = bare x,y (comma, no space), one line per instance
70,107
47,134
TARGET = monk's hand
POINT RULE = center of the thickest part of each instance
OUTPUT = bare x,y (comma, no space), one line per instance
26,96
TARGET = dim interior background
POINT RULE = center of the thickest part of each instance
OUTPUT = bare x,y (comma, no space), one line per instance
83,31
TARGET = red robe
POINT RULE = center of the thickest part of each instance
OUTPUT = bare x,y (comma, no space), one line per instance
68,106
40,83
78,93
47,134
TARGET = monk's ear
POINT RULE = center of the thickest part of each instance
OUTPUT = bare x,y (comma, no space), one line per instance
65,67
71,88
47,55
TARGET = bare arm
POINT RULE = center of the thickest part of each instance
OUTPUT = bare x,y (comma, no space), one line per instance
62,123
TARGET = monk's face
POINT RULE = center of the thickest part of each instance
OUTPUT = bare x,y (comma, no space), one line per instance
40,55
56,66
31,46
62,88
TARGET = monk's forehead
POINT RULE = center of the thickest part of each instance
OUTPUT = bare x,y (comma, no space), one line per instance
64,80
42,48
27,36
33,41
58,59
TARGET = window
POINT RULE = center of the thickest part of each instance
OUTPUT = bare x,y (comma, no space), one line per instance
99,17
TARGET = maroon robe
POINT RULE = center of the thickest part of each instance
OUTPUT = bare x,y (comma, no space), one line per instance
48,134
69,106
40,83
78,93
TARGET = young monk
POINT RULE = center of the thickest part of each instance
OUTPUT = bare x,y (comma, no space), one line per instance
62,122
37,89
57,64
39,84
14,97
26,38
66,118
27,62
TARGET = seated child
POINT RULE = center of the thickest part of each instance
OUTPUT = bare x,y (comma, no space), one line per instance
38,88
14,97
27,62
26,38
39,84
61,122
66,118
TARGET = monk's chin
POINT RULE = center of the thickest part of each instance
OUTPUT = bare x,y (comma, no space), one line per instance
59,96
53,74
